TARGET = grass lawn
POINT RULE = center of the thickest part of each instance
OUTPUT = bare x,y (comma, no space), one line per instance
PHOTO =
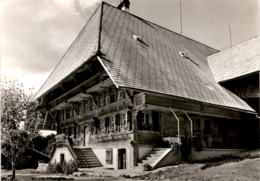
225,169
245,170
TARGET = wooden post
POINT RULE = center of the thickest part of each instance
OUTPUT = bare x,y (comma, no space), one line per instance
178,124
191,124
45,118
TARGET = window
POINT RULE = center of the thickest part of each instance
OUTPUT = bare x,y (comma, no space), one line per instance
107,124
121,95
123,122
90,105
102,99
102,124
70,131
112,124
67,113
81,107
123,125
62,158
155,121
107,97
144,121
71,112
113,95
117,123
85,105
96,124
62,115
207,126
109,156
196,126
129,120
75,132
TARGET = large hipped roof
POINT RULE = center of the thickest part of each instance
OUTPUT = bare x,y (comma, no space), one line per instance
141,55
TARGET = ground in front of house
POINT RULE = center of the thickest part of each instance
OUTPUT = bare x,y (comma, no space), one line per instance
231,169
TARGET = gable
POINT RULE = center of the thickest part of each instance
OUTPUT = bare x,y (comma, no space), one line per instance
82,49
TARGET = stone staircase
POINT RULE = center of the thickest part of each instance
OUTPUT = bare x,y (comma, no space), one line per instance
152,157
86,158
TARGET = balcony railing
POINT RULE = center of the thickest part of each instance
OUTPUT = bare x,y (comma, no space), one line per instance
102,110
104,137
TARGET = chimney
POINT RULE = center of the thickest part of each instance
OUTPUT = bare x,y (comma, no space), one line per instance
124,5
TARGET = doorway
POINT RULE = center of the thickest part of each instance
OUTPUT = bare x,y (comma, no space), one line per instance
122,158
86,135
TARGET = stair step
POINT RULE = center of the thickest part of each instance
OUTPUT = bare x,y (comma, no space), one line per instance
87,158
159,149
152,156
155,154
154,151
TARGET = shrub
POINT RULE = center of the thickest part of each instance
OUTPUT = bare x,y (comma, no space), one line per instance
69,167
51,168
64,167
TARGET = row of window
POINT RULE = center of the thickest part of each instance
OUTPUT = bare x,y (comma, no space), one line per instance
110,124
148,121
102,99
114,123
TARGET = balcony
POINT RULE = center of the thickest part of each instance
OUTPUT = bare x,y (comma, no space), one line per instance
100,111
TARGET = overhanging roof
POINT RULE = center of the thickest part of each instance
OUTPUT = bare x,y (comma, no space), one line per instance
141,55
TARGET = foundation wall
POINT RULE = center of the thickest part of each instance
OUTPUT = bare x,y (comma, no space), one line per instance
100,151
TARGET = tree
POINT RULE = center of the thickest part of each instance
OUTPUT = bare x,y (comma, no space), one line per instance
16,108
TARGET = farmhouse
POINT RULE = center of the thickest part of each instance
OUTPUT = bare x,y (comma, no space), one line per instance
129,92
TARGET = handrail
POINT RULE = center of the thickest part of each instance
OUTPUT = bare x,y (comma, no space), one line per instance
162,156
71,151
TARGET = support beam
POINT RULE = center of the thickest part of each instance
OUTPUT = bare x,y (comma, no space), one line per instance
76,109
191,124
178,123
45,118
91,97
36,124
129,96
56,121
179,141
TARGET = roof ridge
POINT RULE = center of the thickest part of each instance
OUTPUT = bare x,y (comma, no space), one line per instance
100,26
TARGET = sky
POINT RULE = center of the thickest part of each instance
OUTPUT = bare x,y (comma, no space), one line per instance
35,34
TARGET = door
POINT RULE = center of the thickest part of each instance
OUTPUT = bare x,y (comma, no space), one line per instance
86,135
121,158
